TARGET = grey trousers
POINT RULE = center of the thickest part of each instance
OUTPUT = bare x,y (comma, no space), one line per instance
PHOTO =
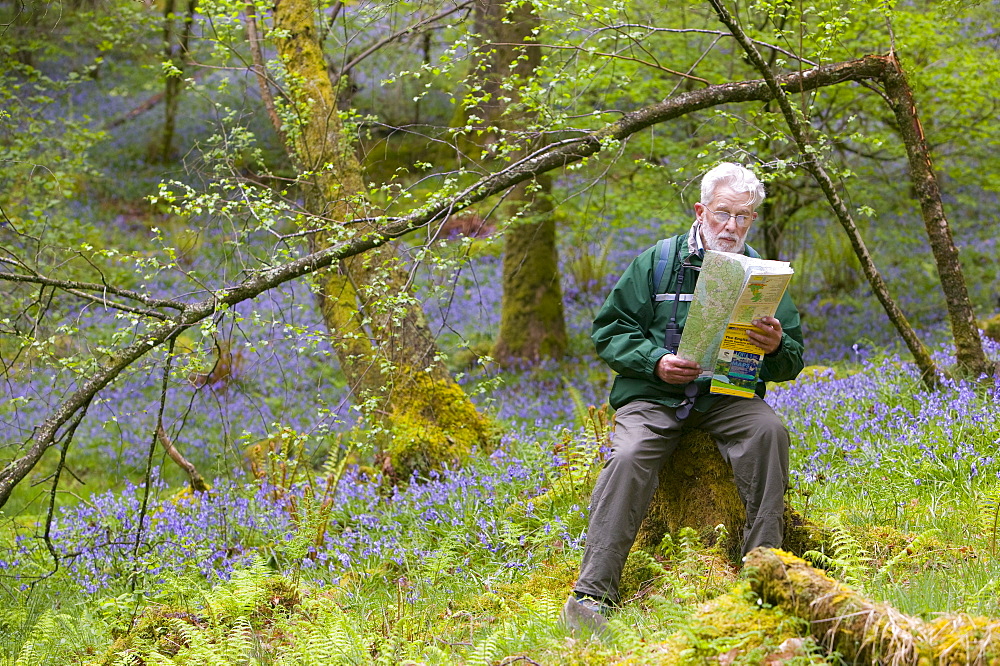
750,437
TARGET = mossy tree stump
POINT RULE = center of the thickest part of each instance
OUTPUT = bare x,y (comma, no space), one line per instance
697,490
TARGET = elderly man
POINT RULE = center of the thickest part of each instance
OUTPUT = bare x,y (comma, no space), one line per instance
654,392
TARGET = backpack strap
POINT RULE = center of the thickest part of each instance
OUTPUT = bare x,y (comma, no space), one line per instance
664,256
665,253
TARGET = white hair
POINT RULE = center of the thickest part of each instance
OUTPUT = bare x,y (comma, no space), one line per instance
735,177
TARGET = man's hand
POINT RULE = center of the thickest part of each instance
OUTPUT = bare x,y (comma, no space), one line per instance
766,335
675,370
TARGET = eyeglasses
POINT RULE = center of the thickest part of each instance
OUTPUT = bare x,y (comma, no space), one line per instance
722,217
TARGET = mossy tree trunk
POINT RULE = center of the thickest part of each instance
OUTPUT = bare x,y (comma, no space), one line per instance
383,342
968,346
532,324
863,631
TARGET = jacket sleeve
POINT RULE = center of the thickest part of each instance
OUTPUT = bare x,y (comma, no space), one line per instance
621,330
785,363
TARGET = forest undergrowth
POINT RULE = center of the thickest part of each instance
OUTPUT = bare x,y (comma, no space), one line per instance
299,553
308,559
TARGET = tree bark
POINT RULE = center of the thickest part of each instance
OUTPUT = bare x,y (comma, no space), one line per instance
174,80
808,152
864,631
384,345
970,355
532,322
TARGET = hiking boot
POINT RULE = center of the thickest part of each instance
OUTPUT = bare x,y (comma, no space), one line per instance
584,613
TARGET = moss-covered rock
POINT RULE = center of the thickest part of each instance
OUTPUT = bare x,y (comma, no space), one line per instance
432,424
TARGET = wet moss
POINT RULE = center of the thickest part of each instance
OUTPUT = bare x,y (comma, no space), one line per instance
431,423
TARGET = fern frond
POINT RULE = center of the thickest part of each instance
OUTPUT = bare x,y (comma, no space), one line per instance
581,413
818,559
154,658
238,643
990,511
487,650
849,560
904,554
34,652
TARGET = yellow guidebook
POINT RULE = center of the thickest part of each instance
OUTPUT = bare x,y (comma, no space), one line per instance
732,291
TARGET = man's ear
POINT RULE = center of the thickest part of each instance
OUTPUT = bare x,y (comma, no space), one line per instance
699,209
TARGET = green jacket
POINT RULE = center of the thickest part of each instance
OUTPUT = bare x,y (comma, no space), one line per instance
629,332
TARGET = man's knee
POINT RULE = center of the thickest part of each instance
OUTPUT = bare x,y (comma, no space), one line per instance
766,421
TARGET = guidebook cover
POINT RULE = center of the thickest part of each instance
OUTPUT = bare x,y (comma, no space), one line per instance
732,291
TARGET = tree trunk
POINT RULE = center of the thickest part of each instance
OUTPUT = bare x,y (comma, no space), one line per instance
174,82
964,329
532,324
864,631
384,345
808,152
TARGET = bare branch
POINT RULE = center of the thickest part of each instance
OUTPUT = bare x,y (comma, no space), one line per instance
133,578
605,55
718,33
253,36
197,481
400,34
76,287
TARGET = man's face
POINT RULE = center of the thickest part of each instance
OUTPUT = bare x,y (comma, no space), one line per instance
728,236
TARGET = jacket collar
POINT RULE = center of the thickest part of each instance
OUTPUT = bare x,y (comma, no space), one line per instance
694,243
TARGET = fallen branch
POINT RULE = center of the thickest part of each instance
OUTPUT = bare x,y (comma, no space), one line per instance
198,483
862,630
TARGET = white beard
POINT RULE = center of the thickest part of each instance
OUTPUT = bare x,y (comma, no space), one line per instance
722,242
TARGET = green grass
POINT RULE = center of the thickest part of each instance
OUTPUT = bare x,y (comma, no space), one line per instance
926,548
